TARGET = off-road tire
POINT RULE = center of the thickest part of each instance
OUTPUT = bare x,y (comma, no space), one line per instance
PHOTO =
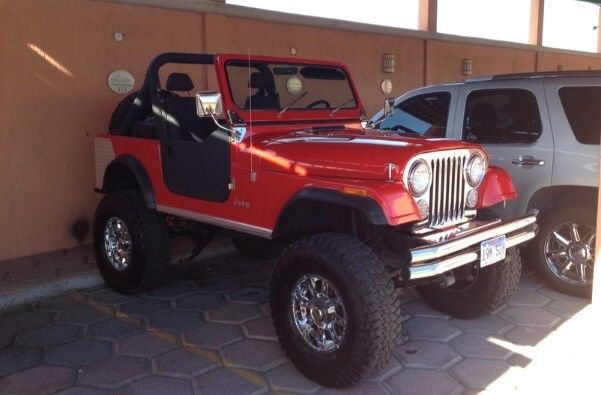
548,221
491,289
150,242
121,111
371,302
257,248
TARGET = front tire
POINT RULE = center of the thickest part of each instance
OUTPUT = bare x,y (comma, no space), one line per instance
485,291
334,281
564,261
131,243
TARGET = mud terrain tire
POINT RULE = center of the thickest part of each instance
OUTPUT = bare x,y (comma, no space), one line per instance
372,308
150,245
491,289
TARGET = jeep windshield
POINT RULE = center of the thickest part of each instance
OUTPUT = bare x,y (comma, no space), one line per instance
281,87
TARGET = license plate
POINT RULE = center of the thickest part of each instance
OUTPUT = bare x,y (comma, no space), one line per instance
492,251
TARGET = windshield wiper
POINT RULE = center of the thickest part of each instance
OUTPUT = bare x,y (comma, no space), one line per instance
293,102
342,105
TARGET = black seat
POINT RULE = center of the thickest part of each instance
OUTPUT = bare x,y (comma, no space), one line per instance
181,110
266,97
179,82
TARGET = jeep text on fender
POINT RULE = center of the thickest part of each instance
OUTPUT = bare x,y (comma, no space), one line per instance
276,154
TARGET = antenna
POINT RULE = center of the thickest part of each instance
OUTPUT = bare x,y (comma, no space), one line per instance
253,175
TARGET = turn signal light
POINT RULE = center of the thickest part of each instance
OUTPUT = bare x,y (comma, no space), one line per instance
354,191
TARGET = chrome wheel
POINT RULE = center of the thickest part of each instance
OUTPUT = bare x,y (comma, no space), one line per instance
570,251
318,312
117,243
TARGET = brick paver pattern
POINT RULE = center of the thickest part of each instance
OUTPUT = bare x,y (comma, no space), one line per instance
208,330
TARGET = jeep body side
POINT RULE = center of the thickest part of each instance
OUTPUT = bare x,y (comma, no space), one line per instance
278,154
543,128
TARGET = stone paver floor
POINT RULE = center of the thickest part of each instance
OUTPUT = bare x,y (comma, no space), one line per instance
209,331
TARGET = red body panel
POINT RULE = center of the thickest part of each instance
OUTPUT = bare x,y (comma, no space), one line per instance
287,157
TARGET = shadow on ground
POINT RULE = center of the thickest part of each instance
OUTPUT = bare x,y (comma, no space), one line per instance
208,331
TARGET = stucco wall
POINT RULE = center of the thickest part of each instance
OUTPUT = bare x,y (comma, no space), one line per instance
56,54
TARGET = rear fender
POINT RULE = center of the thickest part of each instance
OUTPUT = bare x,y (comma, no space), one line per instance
127,170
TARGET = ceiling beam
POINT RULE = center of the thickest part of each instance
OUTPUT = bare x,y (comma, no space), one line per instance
428,15
537,17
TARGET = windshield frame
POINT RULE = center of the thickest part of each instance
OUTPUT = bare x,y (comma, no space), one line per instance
291,114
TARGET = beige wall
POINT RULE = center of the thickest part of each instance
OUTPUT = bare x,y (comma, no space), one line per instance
55,56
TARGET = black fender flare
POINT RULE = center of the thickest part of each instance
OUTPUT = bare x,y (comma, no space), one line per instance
140,175
363,204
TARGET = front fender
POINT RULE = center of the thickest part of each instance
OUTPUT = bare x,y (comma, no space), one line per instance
496,187
381,203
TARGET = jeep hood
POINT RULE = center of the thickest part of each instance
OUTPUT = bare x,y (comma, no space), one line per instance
344,154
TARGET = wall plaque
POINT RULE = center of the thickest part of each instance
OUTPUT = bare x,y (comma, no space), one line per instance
121,81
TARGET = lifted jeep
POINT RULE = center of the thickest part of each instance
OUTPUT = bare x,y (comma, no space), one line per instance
278,153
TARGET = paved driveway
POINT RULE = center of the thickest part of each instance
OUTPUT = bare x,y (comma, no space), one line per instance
208,331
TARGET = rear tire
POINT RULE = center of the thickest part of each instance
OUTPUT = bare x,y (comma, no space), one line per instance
257,248
144,266
372,312
491,289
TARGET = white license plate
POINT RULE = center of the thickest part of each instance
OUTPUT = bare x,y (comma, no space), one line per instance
492,251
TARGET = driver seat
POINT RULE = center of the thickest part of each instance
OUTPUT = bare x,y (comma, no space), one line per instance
182,117
266,97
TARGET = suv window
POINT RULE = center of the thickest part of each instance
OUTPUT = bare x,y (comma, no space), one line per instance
582,105
425,115
502,116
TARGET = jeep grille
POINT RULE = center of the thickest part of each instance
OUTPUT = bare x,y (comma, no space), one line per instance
447,193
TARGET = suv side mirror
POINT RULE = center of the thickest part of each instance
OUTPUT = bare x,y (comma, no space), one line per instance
388,106
208,104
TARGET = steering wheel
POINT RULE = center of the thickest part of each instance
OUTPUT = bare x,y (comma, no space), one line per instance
318,102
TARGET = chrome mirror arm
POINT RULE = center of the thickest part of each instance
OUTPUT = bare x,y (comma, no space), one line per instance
236,134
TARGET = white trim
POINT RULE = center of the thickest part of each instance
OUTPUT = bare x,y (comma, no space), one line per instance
222,222
217,7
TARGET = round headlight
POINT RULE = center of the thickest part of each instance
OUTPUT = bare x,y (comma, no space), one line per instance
476,167
419,177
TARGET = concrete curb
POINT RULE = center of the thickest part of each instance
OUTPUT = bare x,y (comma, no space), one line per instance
32,292
15,295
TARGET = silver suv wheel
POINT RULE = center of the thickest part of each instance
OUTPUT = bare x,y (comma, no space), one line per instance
569,252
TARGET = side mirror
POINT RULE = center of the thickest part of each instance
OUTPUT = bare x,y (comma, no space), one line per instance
388,106
208,104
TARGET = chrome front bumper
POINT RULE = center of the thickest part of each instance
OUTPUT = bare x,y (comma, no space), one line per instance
461,246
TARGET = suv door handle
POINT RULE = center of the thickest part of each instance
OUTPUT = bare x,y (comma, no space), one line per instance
528,161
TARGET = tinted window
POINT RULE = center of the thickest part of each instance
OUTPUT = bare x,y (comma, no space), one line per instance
425,115
502,116
582,106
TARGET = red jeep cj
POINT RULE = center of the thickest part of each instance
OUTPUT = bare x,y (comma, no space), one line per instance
279,156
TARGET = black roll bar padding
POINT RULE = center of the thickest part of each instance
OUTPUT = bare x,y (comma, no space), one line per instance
148,94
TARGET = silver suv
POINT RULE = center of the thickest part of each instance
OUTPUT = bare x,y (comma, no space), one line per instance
544,129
